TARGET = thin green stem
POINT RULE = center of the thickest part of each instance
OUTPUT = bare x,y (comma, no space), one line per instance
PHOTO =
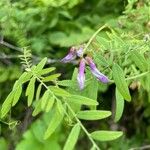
93,36
134,77
83,128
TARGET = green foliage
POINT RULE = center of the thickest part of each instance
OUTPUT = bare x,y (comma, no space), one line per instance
119,105
120,49
106,135
121,84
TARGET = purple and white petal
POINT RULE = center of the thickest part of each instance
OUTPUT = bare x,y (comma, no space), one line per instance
81,75
80,52
96,72
70,56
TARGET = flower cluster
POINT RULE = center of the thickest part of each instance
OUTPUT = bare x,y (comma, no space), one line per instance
75,52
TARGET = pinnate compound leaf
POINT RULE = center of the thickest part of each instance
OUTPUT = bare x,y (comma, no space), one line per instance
103,135
73,137
54,123
119,78
93,114
82,100
119,105
30,90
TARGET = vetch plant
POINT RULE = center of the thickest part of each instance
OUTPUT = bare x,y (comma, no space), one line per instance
59,100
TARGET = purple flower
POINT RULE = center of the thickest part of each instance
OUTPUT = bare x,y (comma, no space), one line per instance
70,56
81,75
95,71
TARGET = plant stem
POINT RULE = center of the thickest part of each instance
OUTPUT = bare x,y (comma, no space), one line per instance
134,77
83,128
93,36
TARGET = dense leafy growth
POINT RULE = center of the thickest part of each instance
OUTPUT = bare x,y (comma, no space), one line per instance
42,105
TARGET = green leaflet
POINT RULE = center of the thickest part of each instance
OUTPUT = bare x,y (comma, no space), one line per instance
46,71
139,60
30,90
44,99
93,114
66,83
50,104
100,60
60,106
6,106
37,108
119,105
82,100
73,137
119,78
38,92
59,92
103,135
17,95
54,123
25,77
41,64
51,77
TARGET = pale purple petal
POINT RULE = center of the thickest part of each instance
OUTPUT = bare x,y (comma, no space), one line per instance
96,72
70,56
80,52
81,75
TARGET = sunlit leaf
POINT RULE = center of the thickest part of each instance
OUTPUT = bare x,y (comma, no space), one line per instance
38,92
6,106
82,100
46,71
17,95
103,135
41,64
93,114
50,104
59,92
30,90
51,77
